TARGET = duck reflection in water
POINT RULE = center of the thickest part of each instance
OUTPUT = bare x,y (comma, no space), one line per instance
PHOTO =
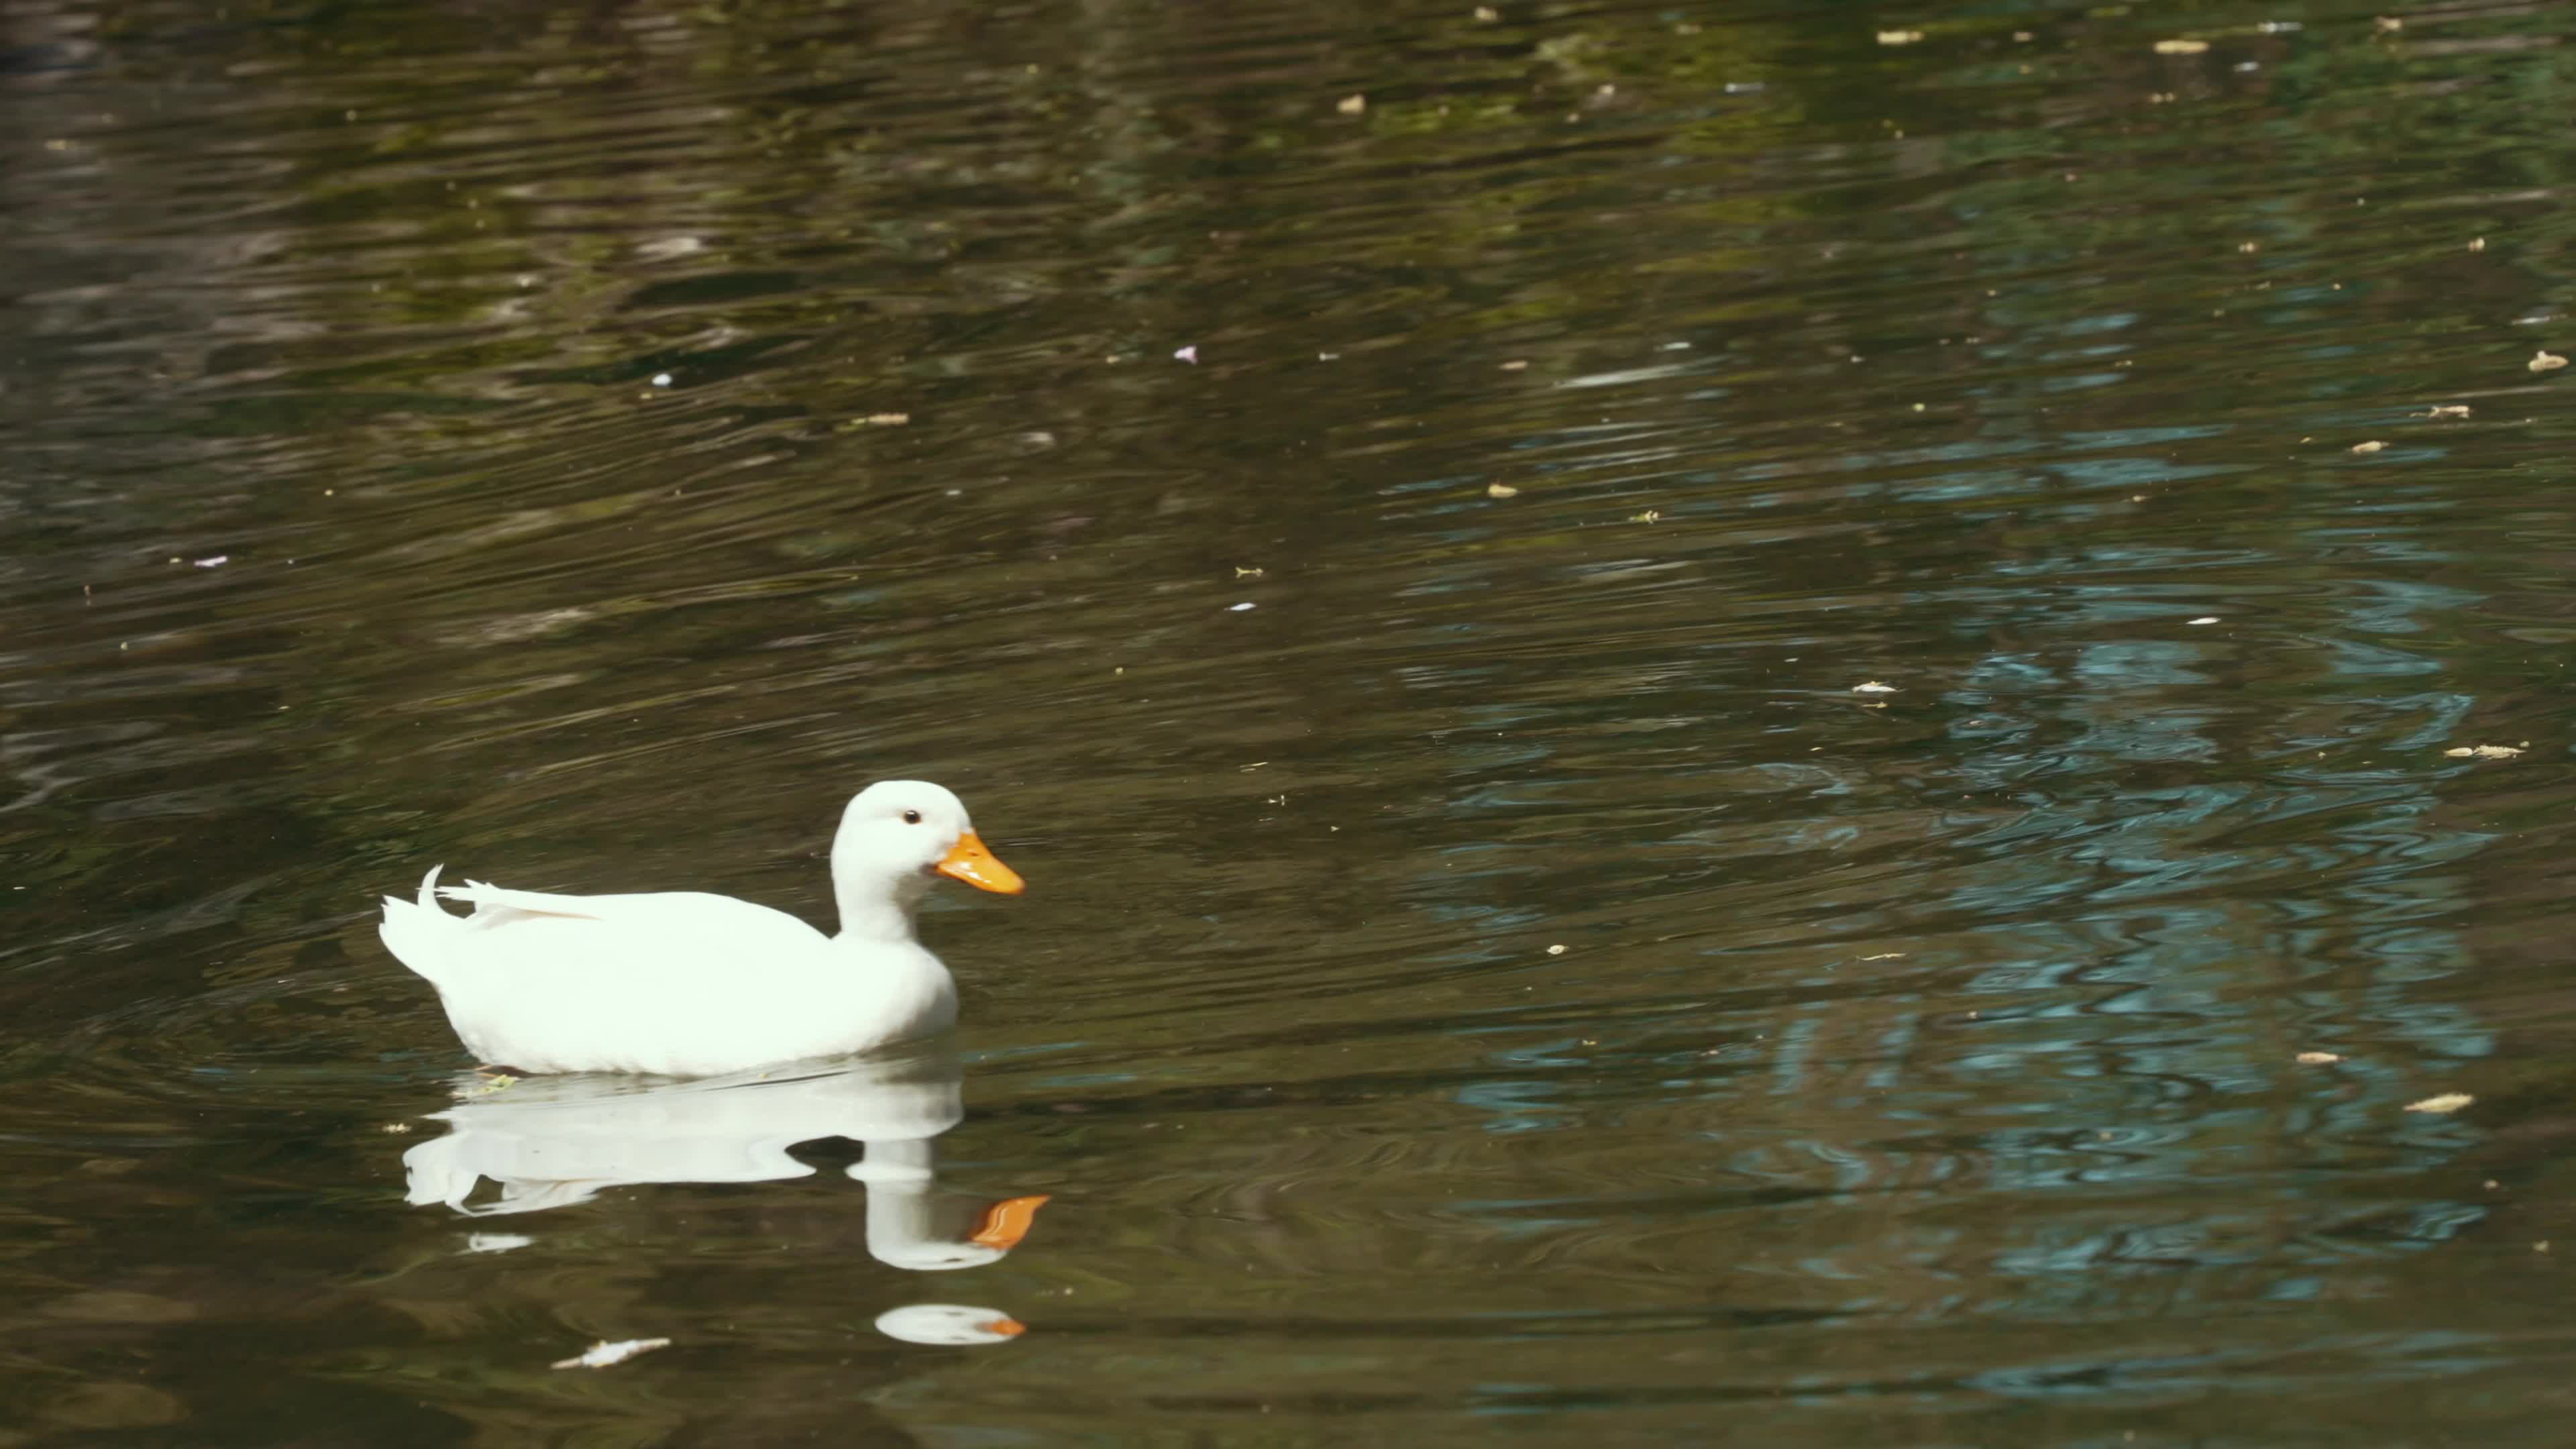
553,1142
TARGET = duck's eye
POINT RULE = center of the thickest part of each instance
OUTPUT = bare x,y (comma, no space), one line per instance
912,817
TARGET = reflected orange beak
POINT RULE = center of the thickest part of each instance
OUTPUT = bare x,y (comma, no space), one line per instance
1008,1221
970,862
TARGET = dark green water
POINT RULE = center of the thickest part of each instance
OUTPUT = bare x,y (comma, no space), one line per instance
583,444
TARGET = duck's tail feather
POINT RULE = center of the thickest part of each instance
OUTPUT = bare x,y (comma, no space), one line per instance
499,906
415,930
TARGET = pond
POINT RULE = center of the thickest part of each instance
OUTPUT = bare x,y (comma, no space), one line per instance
1797,722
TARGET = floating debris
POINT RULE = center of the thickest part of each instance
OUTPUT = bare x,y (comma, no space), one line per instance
604,1353
1516,364
1240,608
661,379
1900,37
2182,47
1241,572
395,1129
2318,1059
1649,516
2477,244
2449,410
2442,1104
2545,361
214,562
1556,950
1189,354
2487,752
1501,490
1886,956
1487,14
949,1325
1351,105
2203,619
1872,686
2372,446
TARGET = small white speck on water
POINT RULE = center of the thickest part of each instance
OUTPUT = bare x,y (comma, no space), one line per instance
661,379
2487,752
1240,608
604,1353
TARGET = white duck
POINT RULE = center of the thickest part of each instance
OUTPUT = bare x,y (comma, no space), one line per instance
689,984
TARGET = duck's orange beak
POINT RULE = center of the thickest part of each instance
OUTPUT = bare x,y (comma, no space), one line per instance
1008,1221
1006,1327
970,862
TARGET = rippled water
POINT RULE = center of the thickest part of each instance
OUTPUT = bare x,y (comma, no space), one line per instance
1383,513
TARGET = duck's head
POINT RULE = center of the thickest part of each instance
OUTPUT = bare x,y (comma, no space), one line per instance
904,832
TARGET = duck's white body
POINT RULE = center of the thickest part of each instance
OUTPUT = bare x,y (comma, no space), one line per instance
690,984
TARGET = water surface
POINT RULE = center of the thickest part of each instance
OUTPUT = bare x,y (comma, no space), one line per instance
1384,513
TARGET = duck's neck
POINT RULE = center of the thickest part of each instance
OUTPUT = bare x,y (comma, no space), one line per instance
874,908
